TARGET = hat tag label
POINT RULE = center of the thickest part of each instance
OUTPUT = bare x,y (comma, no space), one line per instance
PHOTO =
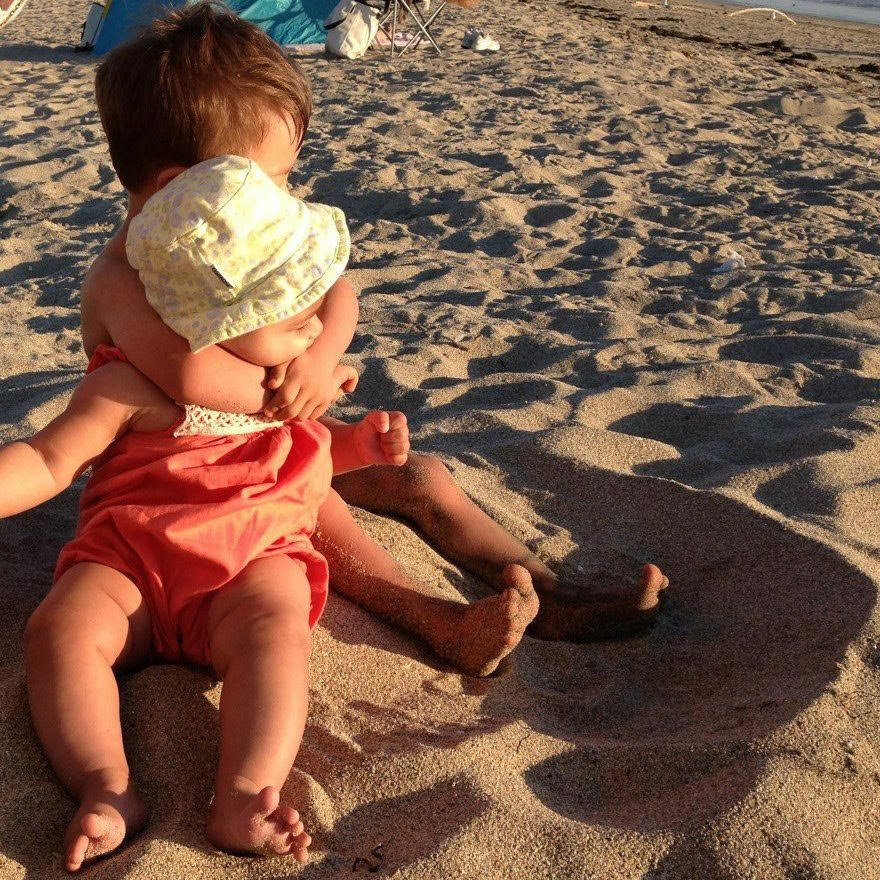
222,277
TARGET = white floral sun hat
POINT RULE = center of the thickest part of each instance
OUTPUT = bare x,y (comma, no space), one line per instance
222,250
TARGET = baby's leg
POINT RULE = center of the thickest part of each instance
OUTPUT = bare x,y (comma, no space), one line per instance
473,638
260,642
424,493
92,622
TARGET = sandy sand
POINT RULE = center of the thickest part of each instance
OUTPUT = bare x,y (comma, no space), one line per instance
535,234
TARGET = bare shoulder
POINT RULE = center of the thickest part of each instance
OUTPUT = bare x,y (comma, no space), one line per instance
109,270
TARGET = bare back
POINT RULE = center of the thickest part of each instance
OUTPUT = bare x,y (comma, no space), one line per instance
109,272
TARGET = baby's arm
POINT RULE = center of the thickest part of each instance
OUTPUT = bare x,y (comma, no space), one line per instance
339,315
113,300
311,383
102,408
379,438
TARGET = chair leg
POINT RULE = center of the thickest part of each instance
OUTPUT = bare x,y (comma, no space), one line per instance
393,26
422,24
389,15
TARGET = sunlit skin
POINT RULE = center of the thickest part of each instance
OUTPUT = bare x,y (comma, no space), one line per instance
246,815
94,622
281,342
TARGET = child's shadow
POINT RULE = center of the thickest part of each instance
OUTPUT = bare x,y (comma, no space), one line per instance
669,728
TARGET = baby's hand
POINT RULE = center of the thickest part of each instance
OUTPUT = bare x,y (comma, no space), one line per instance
308,389
382,438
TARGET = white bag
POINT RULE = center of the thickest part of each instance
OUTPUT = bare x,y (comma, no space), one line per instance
351,28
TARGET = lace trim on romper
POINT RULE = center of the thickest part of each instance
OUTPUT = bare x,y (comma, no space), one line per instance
198,421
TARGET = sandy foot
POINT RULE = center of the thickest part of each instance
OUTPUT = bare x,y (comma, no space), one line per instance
257,823
489,629
101,824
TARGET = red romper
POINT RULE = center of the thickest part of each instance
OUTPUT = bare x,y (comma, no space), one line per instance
182,516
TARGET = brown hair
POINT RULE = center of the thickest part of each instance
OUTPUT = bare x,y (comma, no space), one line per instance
194,84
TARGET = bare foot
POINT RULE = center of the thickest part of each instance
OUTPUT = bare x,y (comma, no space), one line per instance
488,630
586,615
256,822
103,821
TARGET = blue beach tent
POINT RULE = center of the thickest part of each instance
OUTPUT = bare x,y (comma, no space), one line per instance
288,22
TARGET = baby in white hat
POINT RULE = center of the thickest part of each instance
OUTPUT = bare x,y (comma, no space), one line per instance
194,530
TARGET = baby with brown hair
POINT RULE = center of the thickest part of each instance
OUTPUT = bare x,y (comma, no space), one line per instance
198,84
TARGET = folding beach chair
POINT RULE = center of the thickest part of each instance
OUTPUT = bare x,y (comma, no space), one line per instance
389,18
389,24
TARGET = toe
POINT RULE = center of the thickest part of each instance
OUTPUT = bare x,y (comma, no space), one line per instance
518,578
653,580
93,825
76,853
510,604
268,800
287,816
300,849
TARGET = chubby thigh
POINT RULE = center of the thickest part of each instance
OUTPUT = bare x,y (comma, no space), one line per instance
96,604
269,602
93,606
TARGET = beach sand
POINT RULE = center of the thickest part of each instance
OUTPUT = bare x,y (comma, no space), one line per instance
535,234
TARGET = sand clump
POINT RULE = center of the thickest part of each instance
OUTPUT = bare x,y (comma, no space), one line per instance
535,234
